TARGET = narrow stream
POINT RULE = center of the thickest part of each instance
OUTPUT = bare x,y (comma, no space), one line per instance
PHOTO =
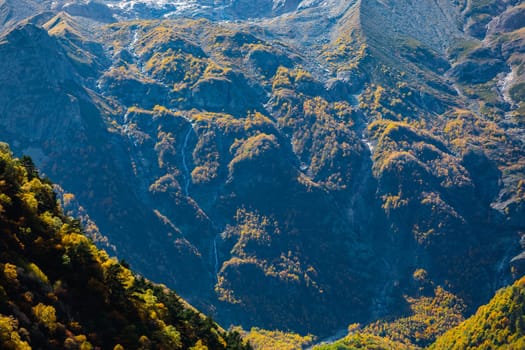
502,271
187,175
503,85
131,47
458,91
338,335
216,256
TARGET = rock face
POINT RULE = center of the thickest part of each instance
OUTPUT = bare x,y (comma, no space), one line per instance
13,11
216,9
92,9
289,171
434,23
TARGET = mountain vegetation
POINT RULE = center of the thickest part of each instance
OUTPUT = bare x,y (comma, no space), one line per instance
262,339
364,341
496,325
58,291
285,165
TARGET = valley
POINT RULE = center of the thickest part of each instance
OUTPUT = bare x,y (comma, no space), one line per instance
289,165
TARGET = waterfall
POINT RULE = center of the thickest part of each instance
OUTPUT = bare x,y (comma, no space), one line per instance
187,175
216,256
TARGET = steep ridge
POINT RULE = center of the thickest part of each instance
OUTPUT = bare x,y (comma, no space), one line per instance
498,324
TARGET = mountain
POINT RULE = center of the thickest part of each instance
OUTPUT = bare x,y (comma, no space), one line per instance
499,324
293,165
496,325
58,291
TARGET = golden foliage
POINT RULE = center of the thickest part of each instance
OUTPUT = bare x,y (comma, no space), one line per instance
500,324
262,339
430,317
46,315
9,335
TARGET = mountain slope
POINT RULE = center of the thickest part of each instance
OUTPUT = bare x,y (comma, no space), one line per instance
57,290
293,171
60,102
496,325
499,324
